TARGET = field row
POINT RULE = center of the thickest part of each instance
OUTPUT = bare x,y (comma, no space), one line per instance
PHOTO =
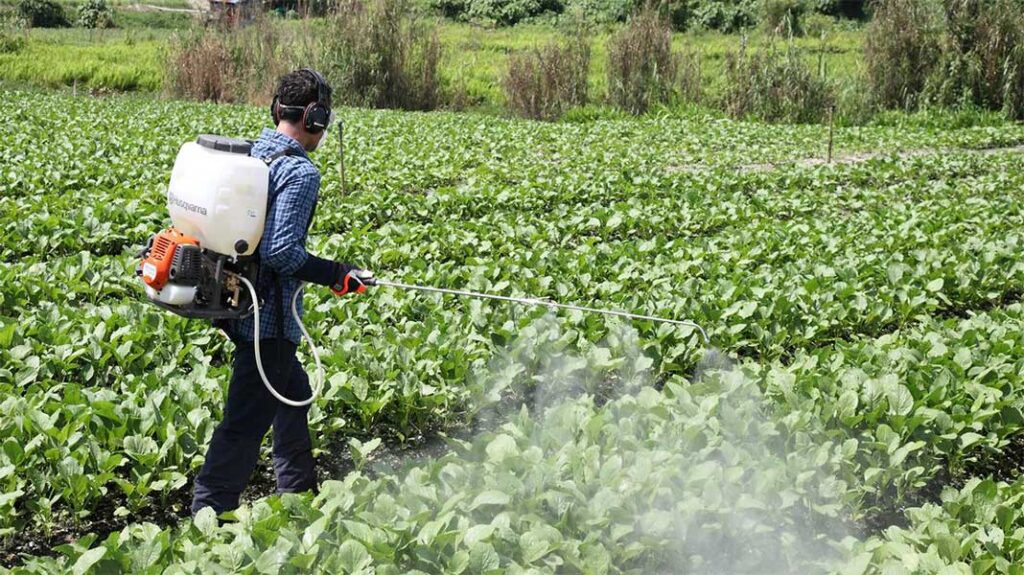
852,292
578,484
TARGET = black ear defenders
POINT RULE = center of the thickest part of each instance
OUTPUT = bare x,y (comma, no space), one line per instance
315,116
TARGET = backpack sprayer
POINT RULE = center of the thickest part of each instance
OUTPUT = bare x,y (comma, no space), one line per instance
197,268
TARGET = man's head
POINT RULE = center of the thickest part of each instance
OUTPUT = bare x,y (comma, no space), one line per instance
302,107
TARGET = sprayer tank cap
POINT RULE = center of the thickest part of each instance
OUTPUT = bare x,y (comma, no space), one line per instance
223,144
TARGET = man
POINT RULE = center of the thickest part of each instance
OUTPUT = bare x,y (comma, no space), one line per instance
301,110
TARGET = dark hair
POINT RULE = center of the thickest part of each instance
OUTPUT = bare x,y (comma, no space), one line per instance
299,88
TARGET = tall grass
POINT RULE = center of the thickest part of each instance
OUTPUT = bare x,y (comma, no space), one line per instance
983,63
236,64
379,54
902,49
775,86
641,66
544,83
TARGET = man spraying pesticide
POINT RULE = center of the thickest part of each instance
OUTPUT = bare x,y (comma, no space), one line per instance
236,255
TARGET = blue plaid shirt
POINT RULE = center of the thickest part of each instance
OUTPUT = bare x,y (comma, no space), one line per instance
291,198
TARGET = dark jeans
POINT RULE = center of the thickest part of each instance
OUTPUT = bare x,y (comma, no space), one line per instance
249,413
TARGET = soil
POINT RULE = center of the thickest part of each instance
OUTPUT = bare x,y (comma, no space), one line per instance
103,521
849,158
1007,466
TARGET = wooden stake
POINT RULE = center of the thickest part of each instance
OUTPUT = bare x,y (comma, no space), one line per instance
831,130
341,157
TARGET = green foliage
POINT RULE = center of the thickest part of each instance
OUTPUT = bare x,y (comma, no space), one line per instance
10,42
784,17
498,12
547,82
857,9
725,15
642,68
509,12
117,65
43,13
380,54
603,11
983,61
94,14
902,49
775,86
159,20
853,291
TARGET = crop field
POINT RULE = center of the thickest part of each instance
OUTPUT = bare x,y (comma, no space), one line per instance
857,410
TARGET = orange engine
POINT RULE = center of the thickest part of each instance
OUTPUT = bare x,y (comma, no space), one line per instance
156,266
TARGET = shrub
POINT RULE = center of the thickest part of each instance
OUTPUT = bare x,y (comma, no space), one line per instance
94,14
167,20
10,42
817,25
691,87
509,12
602,11
725,15
678,12
43,13
237,64
379,54
198,66
775,87
843,8
901,50
641,66
500,12
544,83
784,17
983,62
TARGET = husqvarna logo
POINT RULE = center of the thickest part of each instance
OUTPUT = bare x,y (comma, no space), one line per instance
176,201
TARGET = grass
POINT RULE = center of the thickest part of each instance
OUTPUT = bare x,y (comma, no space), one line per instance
99,60
474,58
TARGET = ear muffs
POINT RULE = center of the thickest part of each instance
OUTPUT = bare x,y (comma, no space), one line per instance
314,117
275,112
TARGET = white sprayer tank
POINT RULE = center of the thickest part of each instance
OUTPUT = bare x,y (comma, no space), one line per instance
218,195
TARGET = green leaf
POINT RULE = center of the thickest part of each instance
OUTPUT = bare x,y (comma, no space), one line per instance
483,558
478,533
502,447
901,402
271,560
354,556
532,546
970,438
87,560
490,498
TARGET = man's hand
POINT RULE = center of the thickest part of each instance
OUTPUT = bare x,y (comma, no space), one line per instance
353,281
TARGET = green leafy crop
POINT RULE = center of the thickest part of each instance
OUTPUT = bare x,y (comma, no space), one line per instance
870,305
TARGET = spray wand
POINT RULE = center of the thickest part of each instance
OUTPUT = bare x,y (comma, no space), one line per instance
372,281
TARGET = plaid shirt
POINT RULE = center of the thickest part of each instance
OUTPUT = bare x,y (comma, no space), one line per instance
291,200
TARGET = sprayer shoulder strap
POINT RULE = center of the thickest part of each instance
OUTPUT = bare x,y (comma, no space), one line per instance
277,156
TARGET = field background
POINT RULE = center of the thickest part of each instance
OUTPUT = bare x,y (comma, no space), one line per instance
134,59
858,408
